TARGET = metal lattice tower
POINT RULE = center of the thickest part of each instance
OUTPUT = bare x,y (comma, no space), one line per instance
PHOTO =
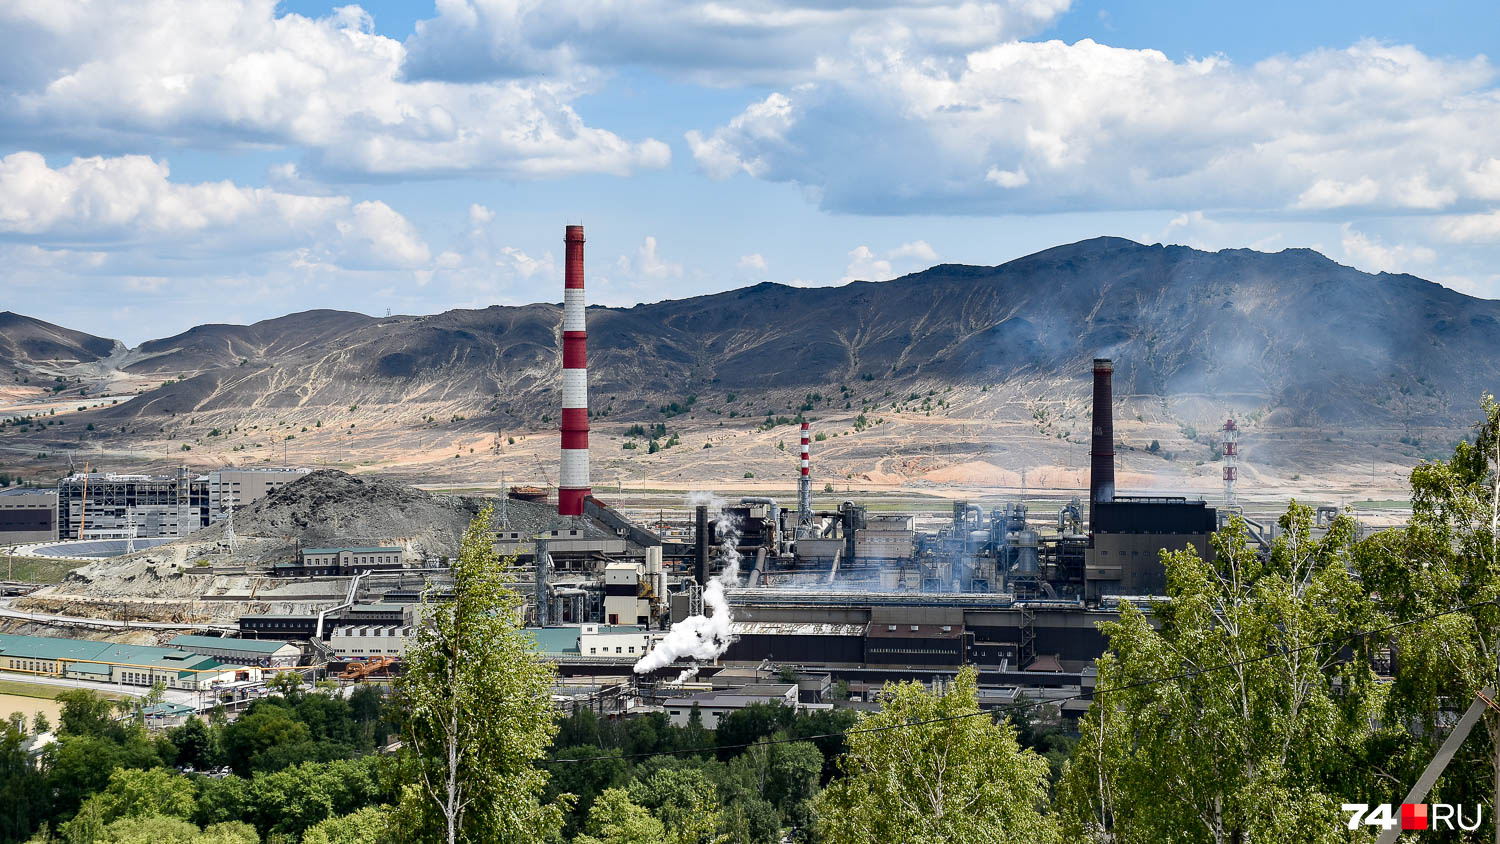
1230,444
804,492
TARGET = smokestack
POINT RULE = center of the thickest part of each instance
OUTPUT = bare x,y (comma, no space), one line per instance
1102,452
700,561
573,475
804,492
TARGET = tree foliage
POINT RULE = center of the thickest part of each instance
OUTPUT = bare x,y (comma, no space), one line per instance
475,707
929,767
1242,717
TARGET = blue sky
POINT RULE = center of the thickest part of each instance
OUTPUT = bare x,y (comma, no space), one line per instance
167,163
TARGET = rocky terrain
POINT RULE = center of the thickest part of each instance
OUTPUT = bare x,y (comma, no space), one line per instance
958,376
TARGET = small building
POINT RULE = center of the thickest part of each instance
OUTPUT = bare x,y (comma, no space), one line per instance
109,662
628,641
266,653
279,626
366,641
714,705
27,515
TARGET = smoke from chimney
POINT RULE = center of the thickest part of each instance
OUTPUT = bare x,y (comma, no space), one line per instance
1102,451
573,474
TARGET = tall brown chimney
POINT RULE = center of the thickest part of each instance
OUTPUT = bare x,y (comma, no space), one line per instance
1102,451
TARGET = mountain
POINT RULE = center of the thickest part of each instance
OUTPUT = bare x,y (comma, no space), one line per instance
1290,331
958,375
32,347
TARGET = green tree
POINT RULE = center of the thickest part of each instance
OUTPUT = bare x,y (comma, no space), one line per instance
615,819
370,825
1264,715
475,706
929,767
685,801
137,793
1447,556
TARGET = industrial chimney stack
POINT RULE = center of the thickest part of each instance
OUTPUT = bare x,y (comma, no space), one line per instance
1102,452
573,475
804,492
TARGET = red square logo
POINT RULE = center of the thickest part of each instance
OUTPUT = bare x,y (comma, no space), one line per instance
1413,816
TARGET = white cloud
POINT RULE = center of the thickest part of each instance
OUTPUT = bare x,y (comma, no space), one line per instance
1007,178
649,265
375,236
918,249
234,72
1371,255
865,266
754,261
1091,127
762,42
1471,228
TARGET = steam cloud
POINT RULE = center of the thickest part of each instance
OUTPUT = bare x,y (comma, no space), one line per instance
703,638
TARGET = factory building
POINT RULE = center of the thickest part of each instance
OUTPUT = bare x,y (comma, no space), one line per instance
108,662
616,640
340,562
263,653
366,641
714,705
624,600
228,488
27,515
105,505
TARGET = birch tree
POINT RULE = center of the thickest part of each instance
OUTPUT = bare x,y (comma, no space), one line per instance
475,708
929,767
1249,715
1439,578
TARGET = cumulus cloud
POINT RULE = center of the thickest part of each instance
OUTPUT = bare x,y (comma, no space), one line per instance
754,261
232,72
647,264
866,265
1048,126
1471,228
759,42
1370,254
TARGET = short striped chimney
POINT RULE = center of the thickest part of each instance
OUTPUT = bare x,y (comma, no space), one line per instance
573,475
804,492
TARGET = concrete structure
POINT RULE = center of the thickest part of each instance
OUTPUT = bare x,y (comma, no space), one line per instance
265,653
340,562
238,487
573,471
27,515
105,505
623,602
107,662
714,705
1102,446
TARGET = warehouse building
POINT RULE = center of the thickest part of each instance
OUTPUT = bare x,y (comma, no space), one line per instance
714,705
108,662
365,641
27,515
340,562
237,487
261,652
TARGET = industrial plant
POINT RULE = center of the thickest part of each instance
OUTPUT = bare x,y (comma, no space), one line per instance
662,604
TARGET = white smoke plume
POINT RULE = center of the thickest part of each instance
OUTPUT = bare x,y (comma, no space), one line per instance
703,638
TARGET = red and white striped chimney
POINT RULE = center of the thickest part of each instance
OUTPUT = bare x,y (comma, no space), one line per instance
804,449
573,474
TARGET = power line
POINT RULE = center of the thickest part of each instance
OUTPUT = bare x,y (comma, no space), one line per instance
1019,707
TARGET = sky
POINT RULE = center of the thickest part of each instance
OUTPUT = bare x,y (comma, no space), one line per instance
165,164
